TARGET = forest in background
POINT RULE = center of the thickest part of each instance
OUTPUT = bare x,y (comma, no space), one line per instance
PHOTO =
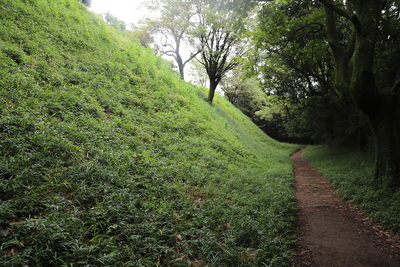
314,72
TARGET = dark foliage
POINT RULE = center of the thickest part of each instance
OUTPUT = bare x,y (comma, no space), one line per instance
86,2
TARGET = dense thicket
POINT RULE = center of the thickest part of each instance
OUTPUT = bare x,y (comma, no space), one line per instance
297,70
329,64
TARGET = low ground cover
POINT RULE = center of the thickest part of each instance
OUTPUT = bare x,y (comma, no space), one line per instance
352,173
109,159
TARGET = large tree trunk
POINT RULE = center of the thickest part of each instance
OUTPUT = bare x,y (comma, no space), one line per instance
375,104
378,107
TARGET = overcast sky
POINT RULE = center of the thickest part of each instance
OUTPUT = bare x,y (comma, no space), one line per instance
129,11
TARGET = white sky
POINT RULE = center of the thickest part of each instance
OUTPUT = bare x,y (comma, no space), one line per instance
129,11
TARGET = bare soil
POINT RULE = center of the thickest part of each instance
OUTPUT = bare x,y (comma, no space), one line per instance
333,233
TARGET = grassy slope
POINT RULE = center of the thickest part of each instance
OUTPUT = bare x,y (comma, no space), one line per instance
352,173
108,159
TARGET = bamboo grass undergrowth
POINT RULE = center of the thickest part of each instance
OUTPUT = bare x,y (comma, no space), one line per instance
109,159
352,172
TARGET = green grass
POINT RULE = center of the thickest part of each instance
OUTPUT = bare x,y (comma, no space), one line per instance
353,175
109,159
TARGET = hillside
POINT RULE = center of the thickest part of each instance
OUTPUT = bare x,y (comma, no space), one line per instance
109,159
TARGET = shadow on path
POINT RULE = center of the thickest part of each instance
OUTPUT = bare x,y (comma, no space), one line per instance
331,233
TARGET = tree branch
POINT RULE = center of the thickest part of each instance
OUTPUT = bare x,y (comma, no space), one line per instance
192,55
338,10
351,17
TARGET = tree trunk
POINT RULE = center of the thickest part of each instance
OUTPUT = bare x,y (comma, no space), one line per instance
386,132
211,92
342,55
179,61
377,106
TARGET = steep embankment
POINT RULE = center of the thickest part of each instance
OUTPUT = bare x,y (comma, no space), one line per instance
108,159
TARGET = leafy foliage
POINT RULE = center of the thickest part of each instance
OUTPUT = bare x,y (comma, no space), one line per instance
211,30
297,67
219,34
173,27
109,159
114,21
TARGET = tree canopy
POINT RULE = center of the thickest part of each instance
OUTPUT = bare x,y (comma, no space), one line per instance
173,28
211,29
220,33
330,61
329,66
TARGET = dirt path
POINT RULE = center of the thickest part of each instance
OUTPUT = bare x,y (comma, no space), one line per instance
333,234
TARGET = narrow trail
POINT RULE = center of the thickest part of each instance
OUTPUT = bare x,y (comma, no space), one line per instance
331,233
